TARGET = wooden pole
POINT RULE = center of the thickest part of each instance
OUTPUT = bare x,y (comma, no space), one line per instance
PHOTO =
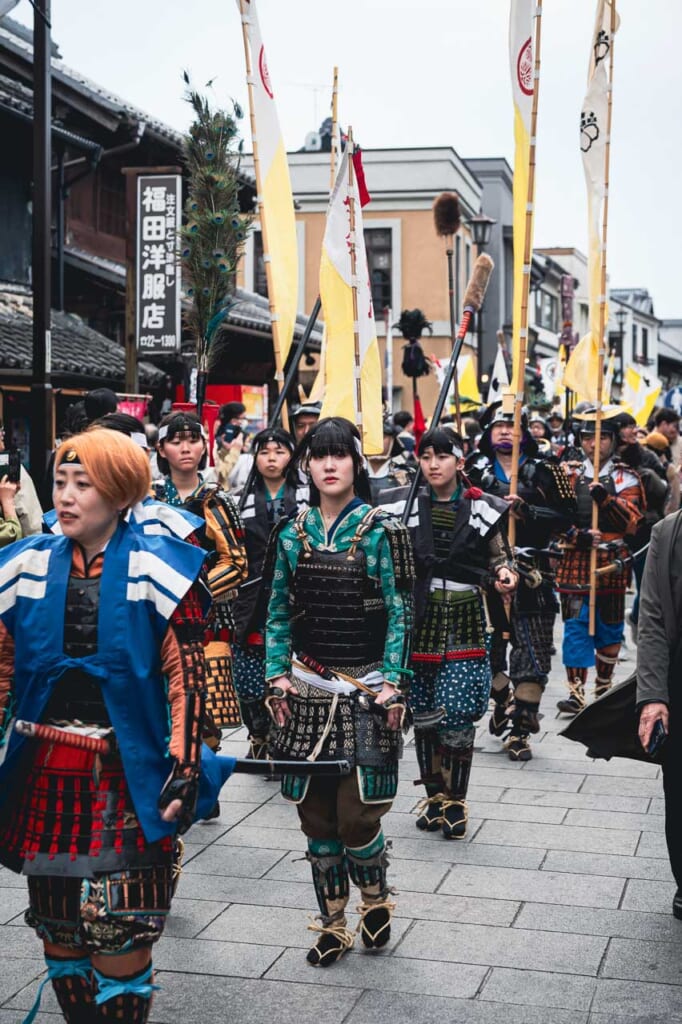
520,377
335,126
276,340
453,326
602,327
353,274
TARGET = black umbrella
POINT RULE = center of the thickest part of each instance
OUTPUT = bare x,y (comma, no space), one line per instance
608,727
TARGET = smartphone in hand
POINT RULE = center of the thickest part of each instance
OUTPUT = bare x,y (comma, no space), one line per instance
657,739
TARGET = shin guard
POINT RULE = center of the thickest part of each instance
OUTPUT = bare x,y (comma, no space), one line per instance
330,877
457,751
368,867
257,721
500,693
524,713
428,759
72,983
606,661
125,999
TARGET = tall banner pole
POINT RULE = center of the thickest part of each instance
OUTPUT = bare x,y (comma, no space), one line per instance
598,43
527,78
335,129
277,340
389,358
353,271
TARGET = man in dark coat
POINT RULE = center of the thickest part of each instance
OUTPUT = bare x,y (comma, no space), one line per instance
659,662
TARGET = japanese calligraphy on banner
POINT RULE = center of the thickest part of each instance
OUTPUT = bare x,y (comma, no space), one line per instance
159,209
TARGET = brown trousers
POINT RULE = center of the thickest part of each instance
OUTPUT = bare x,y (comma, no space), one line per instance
332,809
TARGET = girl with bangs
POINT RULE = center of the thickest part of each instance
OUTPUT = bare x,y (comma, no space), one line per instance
460,548
182,459
92,796
276,494
337,645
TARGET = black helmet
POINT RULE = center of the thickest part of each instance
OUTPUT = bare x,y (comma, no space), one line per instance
586,422
496,414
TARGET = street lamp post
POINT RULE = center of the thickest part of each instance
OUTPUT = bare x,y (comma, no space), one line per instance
481,228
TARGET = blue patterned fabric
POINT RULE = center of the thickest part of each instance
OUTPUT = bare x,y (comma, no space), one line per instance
462,687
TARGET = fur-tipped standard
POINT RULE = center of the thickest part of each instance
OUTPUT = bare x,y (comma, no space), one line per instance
478,282
446,215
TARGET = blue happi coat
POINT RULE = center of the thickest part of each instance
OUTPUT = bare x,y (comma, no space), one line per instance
144,579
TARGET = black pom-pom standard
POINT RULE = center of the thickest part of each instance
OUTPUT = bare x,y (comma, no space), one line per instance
411,325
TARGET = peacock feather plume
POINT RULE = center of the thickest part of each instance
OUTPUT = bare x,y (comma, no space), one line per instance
215,229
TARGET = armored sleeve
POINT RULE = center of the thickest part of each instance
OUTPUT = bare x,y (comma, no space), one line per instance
621,512
6,681
558,506
182,656
498,549
394,559
224,528
278,641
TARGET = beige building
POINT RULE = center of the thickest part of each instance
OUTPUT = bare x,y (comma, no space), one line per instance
406,258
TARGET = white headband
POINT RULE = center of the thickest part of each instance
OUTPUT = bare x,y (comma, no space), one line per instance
358,447
163,432
140,440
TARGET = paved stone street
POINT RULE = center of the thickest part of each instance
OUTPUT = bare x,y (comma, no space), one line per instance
554,910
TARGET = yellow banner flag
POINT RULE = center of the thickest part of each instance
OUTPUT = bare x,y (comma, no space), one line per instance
593,143
276,203
582,369
522,67
343,366
640,394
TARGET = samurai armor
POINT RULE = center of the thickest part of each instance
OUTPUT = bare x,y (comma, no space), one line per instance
338,614
453,628
110,912
221,697
354,734
74,816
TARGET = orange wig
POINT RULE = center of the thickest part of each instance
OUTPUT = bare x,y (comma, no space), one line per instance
117,467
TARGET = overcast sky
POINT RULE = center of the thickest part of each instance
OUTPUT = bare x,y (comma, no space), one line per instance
431,73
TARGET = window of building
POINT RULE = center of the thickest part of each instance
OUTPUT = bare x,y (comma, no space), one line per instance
378,243
635,342
645,344
467,263
546,310
260,278
458,272
111,206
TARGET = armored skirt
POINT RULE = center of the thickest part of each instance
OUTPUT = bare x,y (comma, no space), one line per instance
451,657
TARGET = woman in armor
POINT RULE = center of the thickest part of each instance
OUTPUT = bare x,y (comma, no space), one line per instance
276,494
337,645
92,797
182,458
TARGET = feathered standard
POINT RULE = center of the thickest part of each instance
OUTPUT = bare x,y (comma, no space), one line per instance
214,235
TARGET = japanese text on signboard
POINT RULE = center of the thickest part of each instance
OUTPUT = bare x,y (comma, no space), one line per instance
158,270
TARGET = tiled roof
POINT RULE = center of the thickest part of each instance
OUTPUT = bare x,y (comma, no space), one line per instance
18,41
77,350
